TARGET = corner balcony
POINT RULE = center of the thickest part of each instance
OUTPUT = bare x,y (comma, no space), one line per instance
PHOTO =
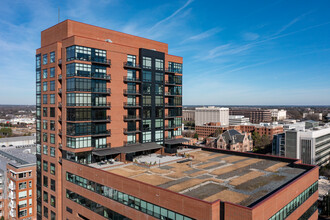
12,186
131,79
131,65
101,61
12,196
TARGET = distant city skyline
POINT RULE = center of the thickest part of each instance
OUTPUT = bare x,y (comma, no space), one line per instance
252,53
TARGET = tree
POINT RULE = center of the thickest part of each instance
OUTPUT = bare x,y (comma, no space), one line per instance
6,131
217,132
2,218
196,135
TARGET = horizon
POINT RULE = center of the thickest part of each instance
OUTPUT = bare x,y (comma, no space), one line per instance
245,56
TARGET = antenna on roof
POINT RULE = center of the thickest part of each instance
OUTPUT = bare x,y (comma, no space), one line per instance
58,15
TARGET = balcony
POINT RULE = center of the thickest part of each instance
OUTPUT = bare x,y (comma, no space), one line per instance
169,116
12,213
131,131
93,133
12,186
101,76
75,120
60,91
60,118
131,65
60,104
130,79
172,94
100,105
12,196
131,118
170,83
170,127
132,105
172,105
60,132
173,70
131,92
60,77
12,204
60,62
102,61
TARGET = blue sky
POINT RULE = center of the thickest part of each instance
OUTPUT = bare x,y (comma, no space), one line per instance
235,52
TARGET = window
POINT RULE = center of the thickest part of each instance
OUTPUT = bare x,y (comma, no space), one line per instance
52,185
131,60
30,201
52,72
146,113
44,124
45,149
45,180
45,166
52,201
22,195
38,87
44,59
44,86
22,213
131,74
159,89
52,168
131,139
81,142
159,100
159,123
44,111
52,125
52,99
45,196
146,136
147,100
45,211
52,112
44,73
38,61
52,138
146,125
146,76
44,99
146,88
52,151
147,62
159,64
22,185
30,184
159,77
45,137
52,57
52,86
52,215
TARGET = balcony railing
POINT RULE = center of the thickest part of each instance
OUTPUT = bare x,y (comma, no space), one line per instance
101,76
173,70
132,105
172,94
131,92
131,117
60,104
170,116
131,131
60,62
100,105
170,83
12,186
131,65
106,91
103,61
60,91
73,120
60,132
60,77
131,79
93,133
170,127
168,104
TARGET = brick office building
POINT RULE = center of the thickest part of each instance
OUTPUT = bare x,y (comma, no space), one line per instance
255,115
101,89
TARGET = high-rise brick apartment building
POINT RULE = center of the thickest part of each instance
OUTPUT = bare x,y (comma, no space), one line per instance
98,90
101,152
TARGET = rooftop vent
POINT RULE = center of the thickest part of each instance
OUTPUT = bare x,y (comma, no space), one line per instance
108,40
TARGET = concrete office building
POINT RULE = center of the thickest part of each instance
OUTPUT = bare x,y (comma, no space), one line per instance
188,115
17,183
101,95
278,115
256,116
211,114
238,120
312,146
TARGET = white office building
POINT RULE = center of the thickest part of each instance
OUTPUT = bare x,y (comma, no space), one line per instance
278,115
238,120
211,114
312,145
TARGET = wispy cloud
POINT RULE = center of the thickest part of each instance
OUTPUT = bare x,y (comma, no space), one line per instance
225,50
204,34
249,36
172,15
292,22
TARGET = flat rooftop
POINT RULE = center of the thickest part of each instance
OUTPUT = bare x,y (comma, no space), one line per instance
210,176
